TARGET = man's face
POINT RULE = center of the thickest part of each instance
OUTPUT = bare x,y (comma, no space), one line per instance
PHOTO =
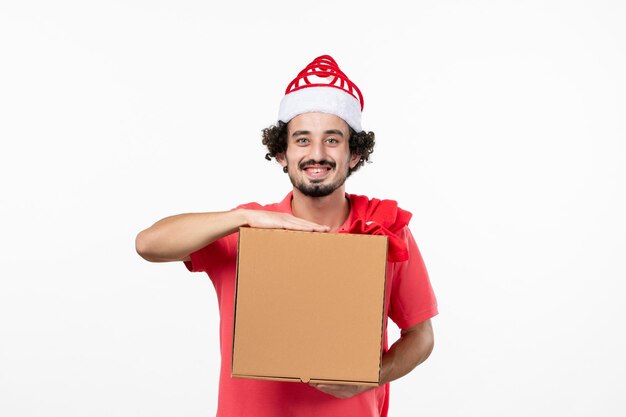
318,153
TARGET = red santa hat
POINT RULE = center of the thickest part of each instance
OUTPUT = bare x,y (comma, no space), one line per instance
322,87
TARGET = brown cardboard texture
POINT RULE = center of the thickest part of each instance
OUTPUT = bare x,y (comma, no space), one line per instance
309,306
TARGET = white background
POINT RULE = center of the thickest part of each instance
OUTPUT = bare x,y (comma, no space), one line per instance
500,125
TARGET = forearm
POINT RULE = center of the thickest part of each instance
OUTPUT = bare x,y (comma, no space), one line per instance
413,347
174,238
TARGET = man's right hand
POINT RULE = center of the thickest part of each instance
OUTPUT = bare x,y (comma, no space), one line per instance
273,220
174,238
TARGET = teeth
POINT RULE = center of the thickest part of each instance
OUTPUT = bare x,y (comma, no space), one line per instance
316,170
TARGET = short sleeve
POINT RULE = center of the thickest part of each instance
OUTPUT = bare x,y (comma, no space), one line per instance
412,297
217,253
213,255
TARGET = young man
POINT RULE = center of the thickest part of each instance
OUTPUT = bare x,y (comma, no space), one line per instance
319,142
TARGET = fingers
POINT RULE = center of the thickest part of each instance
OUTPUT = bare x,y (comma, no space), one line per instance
272,220
341,391
295,223
327,389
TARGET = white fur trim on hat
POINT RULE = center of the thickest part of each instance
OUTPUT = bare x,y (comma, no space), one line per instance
325,99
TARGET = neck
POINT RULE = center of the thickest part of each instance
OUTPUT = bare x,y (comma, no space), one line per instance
331,211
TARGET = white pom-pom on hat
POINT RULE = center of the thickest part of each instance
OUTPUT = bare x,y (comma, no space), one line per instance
322,87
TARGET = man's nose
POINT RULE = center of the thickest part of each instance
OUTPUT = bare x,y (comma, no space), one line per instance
317,151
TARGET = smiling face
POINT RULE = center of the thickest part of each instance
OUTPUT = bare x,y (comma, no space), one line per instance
318,155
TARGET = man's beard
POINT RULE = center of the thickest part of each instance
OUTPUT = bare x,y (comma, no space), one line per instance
317,190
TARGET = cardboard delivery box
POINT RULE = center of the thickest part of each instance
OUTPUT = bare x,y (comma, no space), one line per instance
309,306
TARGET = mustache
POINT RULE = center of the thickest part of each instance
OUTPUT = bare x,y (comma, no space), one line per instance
323,162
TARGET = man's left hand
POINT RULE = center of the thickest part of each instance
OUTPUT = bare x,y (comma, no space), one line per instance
341,391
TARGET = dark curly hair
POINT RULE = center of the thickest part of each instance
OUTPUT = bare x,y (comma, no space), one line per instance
361,143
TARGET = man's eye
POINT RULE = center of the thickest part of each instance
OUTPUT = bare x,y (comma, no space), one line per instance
302,140
332,140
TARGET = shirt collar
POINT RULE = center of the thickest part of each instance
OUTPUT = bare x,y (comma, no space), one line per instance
285,207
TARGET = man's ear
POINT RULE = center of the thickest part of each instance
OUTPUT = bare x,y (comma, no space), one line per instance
354,160
280,158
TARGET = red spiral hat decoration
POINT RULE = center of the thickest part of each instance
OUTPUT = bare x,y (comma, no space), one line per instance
325,67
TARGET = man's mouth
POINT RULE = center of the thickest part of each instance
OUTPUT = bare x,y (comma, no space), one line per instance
317,171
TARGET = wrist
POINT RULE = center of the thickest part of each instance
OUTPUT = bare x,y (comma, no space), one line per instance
241,217
386,368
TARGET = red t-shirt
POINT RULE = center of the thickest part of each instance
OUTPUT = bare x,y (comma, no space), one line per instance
409,301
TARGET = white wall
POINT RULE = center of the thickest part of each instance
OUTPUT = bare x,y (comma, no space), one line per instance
500,125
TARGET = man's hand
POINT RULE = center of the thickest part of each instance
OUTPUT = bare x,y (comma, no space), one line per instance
174,238
413,347
273,220
342,391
